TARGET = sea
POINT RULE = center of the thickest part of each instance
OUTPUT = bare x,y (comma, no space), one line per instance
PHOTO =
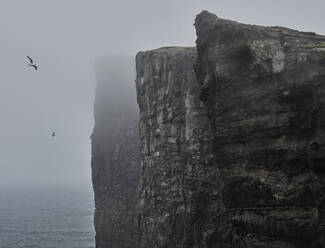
47,218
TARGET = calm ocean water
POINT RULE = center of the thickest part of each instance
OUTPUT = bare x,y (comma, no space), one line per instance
46,219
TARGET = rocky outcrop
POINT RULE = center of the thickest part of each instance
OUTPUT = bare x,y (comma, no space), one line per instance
232,155
263,88
232,142
176,149
115,154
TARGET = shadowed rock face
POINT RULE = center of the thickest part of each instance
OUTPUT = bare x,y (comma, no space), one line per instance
115,154
232,153
176,149
264,91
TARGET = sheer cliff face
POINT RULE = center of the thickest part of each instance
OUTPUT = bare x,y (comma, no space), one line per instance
176,149
236,158
115,154
232,142
264,91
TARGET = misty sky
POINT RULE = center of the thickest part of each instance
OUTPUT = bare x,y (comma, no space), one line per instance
64,37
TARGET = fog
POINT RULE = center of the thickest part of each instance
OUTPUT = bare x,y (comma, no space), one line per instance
65,37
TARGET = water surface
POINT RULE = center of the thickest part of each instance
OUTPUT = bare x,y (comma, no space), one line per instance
51,218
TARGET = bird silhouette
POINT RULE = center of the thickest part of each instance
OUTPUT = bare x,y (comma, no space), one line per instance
32,64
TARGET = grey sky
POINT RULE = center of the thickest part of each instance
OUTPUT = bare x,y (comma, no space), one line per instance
64,37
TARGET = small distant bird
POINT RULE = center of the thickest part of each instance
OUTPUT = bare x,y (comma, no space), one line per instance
53,134
32,64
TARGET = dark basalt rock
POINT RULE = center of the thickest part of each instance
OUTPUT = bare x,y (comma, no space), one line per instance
263,88
232,144
232,153
115,154
176,150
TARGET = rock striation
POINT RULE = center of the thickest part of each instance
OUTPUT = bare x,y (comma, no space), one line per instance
232,153
230,147
176,148
115,154
263,88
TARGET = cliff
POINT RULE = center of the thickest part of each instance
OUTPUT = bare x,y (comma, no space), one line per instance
230,150
232,155
263,88
115,154
176,148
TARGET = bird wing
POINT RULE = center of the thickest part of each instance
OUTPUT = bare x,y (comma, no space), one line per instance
30,59
35,66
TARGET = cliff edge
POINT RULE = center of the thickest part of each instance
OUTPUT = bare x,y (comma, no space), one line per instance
115,154
263,88
176,149
230,147
232,138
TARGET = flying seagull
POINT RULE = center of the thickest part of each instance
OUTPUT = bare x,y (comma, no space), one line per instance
32,64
